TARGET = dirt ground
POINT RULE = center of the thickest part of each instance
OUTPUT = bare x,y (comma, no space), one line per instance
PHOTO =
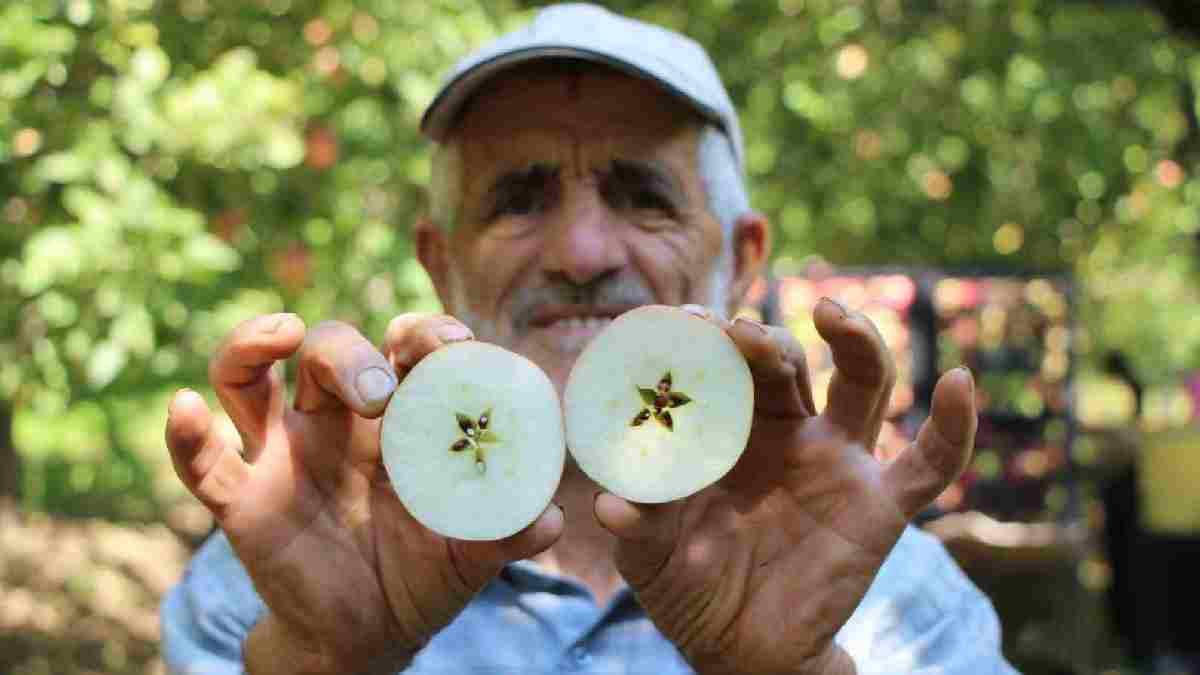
81,596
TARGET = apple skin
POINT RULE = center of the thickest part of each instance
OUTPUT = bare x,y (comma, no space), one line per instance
625,450
443,488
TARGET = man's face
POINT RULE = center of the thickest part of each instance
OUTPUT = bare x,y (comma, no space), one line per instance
579,199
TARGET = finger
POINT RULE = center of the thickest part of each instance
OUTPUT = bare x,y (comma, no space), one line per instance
340,369
411,337
864,371
250,390
781,383
646,535
484,559
942,449
205,461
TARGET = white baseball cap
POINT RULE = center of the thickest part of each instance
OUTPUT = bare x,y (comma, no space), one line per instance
584,31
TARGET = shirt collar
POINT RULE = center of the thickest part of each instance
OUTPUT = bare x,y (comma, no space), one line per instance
526,576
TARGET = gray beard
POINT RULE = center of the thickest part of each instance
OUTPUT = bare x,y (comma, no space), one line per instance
626,289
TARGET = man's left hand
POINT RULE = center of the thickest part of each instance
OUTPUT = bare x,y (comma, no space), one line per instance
757,573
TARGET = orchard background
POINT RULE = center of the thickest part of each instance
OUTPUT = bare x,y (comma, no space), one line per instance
171,167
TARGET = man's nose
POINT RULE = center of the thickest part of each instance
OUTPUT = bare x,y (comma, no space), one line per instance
583,242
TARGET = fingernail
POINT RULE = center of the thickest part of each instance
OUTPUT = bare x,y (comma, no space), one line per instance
970,378
174,400
838,304
751,322
454,332
374,385
277,322
698,310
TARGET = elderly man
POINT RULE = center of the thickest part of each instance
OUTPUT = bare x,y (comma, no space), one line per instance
584,165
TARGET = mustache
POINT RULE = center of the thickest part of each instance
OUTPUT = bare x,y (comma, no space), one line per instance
605,290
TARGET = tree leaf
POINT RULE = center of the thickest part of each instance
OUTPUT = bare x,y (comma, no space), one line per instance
648,395
488,436
664,418
209,253
465,423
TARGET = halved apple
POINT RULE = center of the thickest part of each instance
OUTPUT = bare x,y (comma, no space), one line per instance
472,441
659,405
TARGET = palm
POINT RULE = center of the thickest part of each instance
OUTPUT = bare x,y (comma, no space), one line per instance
345,570
757,573
307,520
747,544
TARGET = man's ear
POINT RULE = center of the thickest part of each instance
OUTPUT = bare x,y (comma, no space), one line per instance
751,249
432,245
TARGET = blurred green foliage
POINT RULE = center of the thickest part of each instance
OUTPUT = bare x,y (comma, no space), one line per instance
171,167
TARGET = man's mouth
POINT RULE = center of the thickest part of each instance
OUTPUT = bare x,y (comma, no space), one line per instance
572,325
590,324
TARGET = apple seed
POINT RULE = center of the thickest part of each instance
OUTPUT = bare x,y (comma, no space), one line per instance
477,434
640,418
657,401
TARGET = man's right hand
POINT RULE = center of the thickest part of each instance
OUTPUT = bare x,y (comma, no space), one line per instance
353,583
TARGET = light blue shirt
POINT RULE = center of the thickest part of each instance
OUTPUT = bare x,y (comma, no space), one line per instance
921,615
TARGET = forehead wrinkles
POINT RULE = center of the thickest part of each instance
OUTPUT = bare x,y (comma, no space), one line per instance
575,119
577,152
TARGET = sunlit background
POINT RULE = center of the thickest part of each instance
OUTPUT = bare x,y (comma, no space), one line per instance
1010,185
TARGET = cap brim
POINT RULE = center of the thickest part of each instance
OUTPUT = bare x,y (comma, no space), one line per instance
441,115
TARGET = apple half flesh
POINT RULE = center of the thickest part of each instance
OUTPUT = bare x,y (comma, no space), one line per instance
659,405
473,443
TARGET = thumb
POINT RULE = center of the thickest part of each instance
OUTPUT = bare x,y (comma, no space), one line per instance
484,559
646,535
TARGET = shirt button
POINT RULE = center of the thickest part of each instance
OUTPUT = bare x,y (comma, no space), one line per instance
580,654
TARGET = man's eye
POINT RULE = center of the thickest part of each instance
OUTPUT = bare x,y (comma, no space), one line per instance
647,199
519,204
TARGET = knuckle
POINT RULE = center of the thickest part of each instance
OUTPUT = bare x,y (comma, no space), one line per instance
246,325
448,320
431,323
326,338
329,327
425,335
774,350
240,349
784,338
335,347
225,361
434,324
403,324
231,340
791,349
402,321
320,363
